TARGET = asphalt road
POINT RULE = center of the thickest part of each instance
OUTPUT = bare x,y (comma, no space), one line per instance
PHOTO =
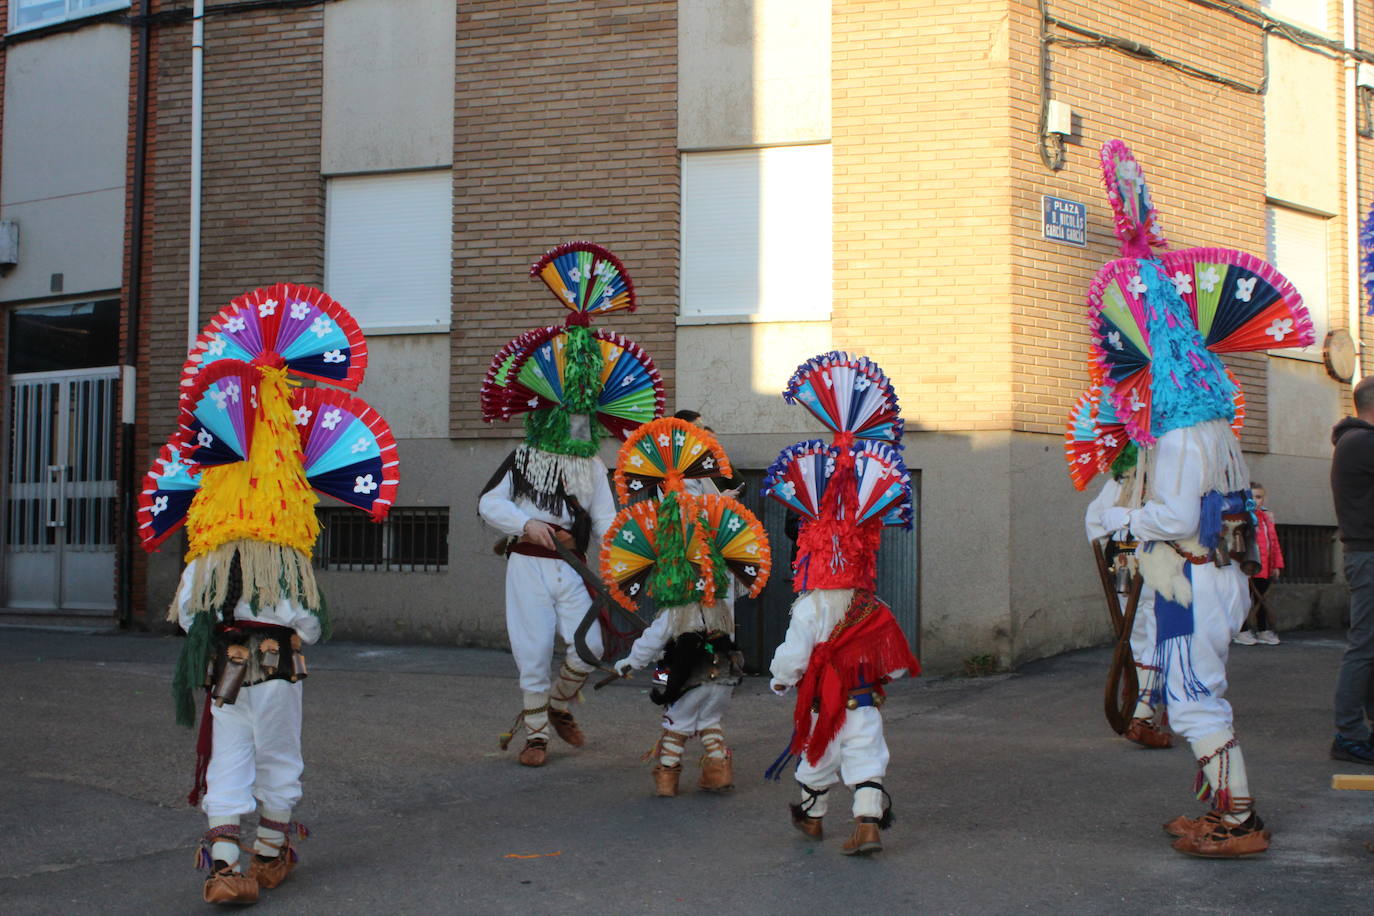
1012,795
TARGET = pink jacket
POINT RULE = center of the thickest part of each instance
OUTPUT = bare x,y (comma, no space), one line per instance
1271,556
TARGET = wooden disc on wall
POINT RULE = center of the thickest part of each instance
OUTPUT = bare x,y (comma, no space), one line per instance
1338,353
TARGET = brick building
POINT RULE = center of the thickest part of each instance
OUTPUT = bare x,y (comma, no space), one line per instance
780,177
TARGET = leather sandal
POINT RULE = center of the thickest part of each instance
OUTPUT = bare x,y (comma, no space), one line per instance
228,886
565,726
534,753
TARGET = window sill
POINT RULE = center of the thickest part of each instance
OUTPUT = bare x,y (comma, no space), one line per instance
396,329
689,320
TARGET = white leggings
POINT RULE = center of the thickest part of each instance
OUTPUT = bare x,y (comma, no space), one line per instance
257,751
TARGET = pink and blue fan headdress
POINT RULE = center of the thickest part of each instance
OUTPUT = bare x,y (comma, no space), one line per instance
1159,320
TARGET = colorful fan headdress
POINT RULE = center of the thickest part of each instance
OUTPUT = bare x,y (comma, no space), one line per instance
252,448
1159,320
848,489
678,548
571,382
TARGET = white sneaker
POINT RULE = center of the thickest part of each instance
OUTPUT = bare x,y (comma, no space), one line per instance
1244,638
1268,637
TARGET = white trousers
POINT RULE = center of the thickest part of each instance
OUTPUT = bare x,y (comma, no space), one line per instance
544,598
858,754
1221,602
257,751
699,708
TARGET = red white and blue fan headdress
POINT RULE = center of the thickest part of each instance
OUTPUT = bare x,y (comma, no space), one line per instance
848,489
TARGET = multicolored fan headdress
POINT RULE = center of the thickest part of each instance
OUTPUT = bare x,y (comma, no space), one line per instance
573,383
675,547
253,449
848,489
1159,320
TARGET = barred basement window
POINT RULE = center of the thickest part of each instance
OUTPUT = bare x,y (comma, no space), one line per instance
410,540
1309,554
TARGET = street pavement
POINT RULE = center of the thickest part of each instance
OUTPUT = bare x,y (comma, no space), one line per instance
1012,795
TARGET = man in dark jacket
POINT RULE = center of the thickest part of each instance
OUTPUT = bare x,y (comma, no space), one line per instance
1352,487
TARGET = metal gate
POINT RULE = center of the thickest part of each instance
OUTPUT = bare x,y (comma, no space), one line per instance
59,533
761,623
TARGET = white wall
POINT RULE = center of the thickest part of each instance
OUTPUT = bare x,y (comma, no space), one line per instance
388,85
753,72
65,142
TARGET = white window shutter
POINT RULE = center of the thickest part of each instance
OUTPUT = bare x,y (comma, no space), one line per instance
389,249
756,234
1298,248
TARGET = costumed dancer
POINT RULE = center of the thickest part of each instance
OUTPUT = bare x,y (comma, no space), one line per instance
683,551
550,497
1158,323
240,471
843,643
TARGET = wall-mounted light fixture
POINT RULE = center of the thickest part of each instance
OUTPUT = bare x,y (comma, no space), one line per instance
1058,125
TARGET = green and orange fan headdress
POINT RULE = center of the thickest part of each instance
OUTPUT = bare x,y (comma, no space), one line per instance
672,546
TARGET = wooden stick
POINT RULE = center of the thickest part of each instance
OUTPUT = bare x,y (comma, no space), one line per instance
1353,781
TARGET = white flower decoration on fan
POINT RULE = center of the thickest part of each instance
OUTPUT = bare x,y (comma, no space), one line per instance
332,419
1136,285
364,484
204,439
787,488
734,524
1245,288
1084,458
220,398
321,326
299,310
233,391
708,463
1109,441
267,307
1280,329
679,438
333,356
235,324
663,440
1182,282
700,584
628,380
159,505
575,275
634,589
627,536
1126,170
1208,279
636,485
216,346
862,383
303,415
360,446
1114,339
750,571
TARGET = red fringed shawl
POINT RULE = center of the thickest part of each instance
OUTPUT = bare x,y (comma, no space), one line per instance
864,646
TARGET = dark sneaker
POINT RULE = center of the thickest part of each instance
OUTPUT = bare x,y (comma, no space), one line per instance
1343,748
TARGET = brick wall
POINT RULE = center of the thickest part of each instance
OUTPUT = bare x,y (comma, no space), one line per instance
565,128
922,245
1201,145
262,218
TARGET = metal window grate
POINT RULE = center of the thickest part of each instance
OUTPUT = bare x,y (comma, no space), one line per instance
409,540
1309,554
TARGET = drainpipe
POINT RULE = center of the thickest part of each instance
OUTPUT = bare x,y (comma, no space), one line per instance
1352,187
197,94
128,538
